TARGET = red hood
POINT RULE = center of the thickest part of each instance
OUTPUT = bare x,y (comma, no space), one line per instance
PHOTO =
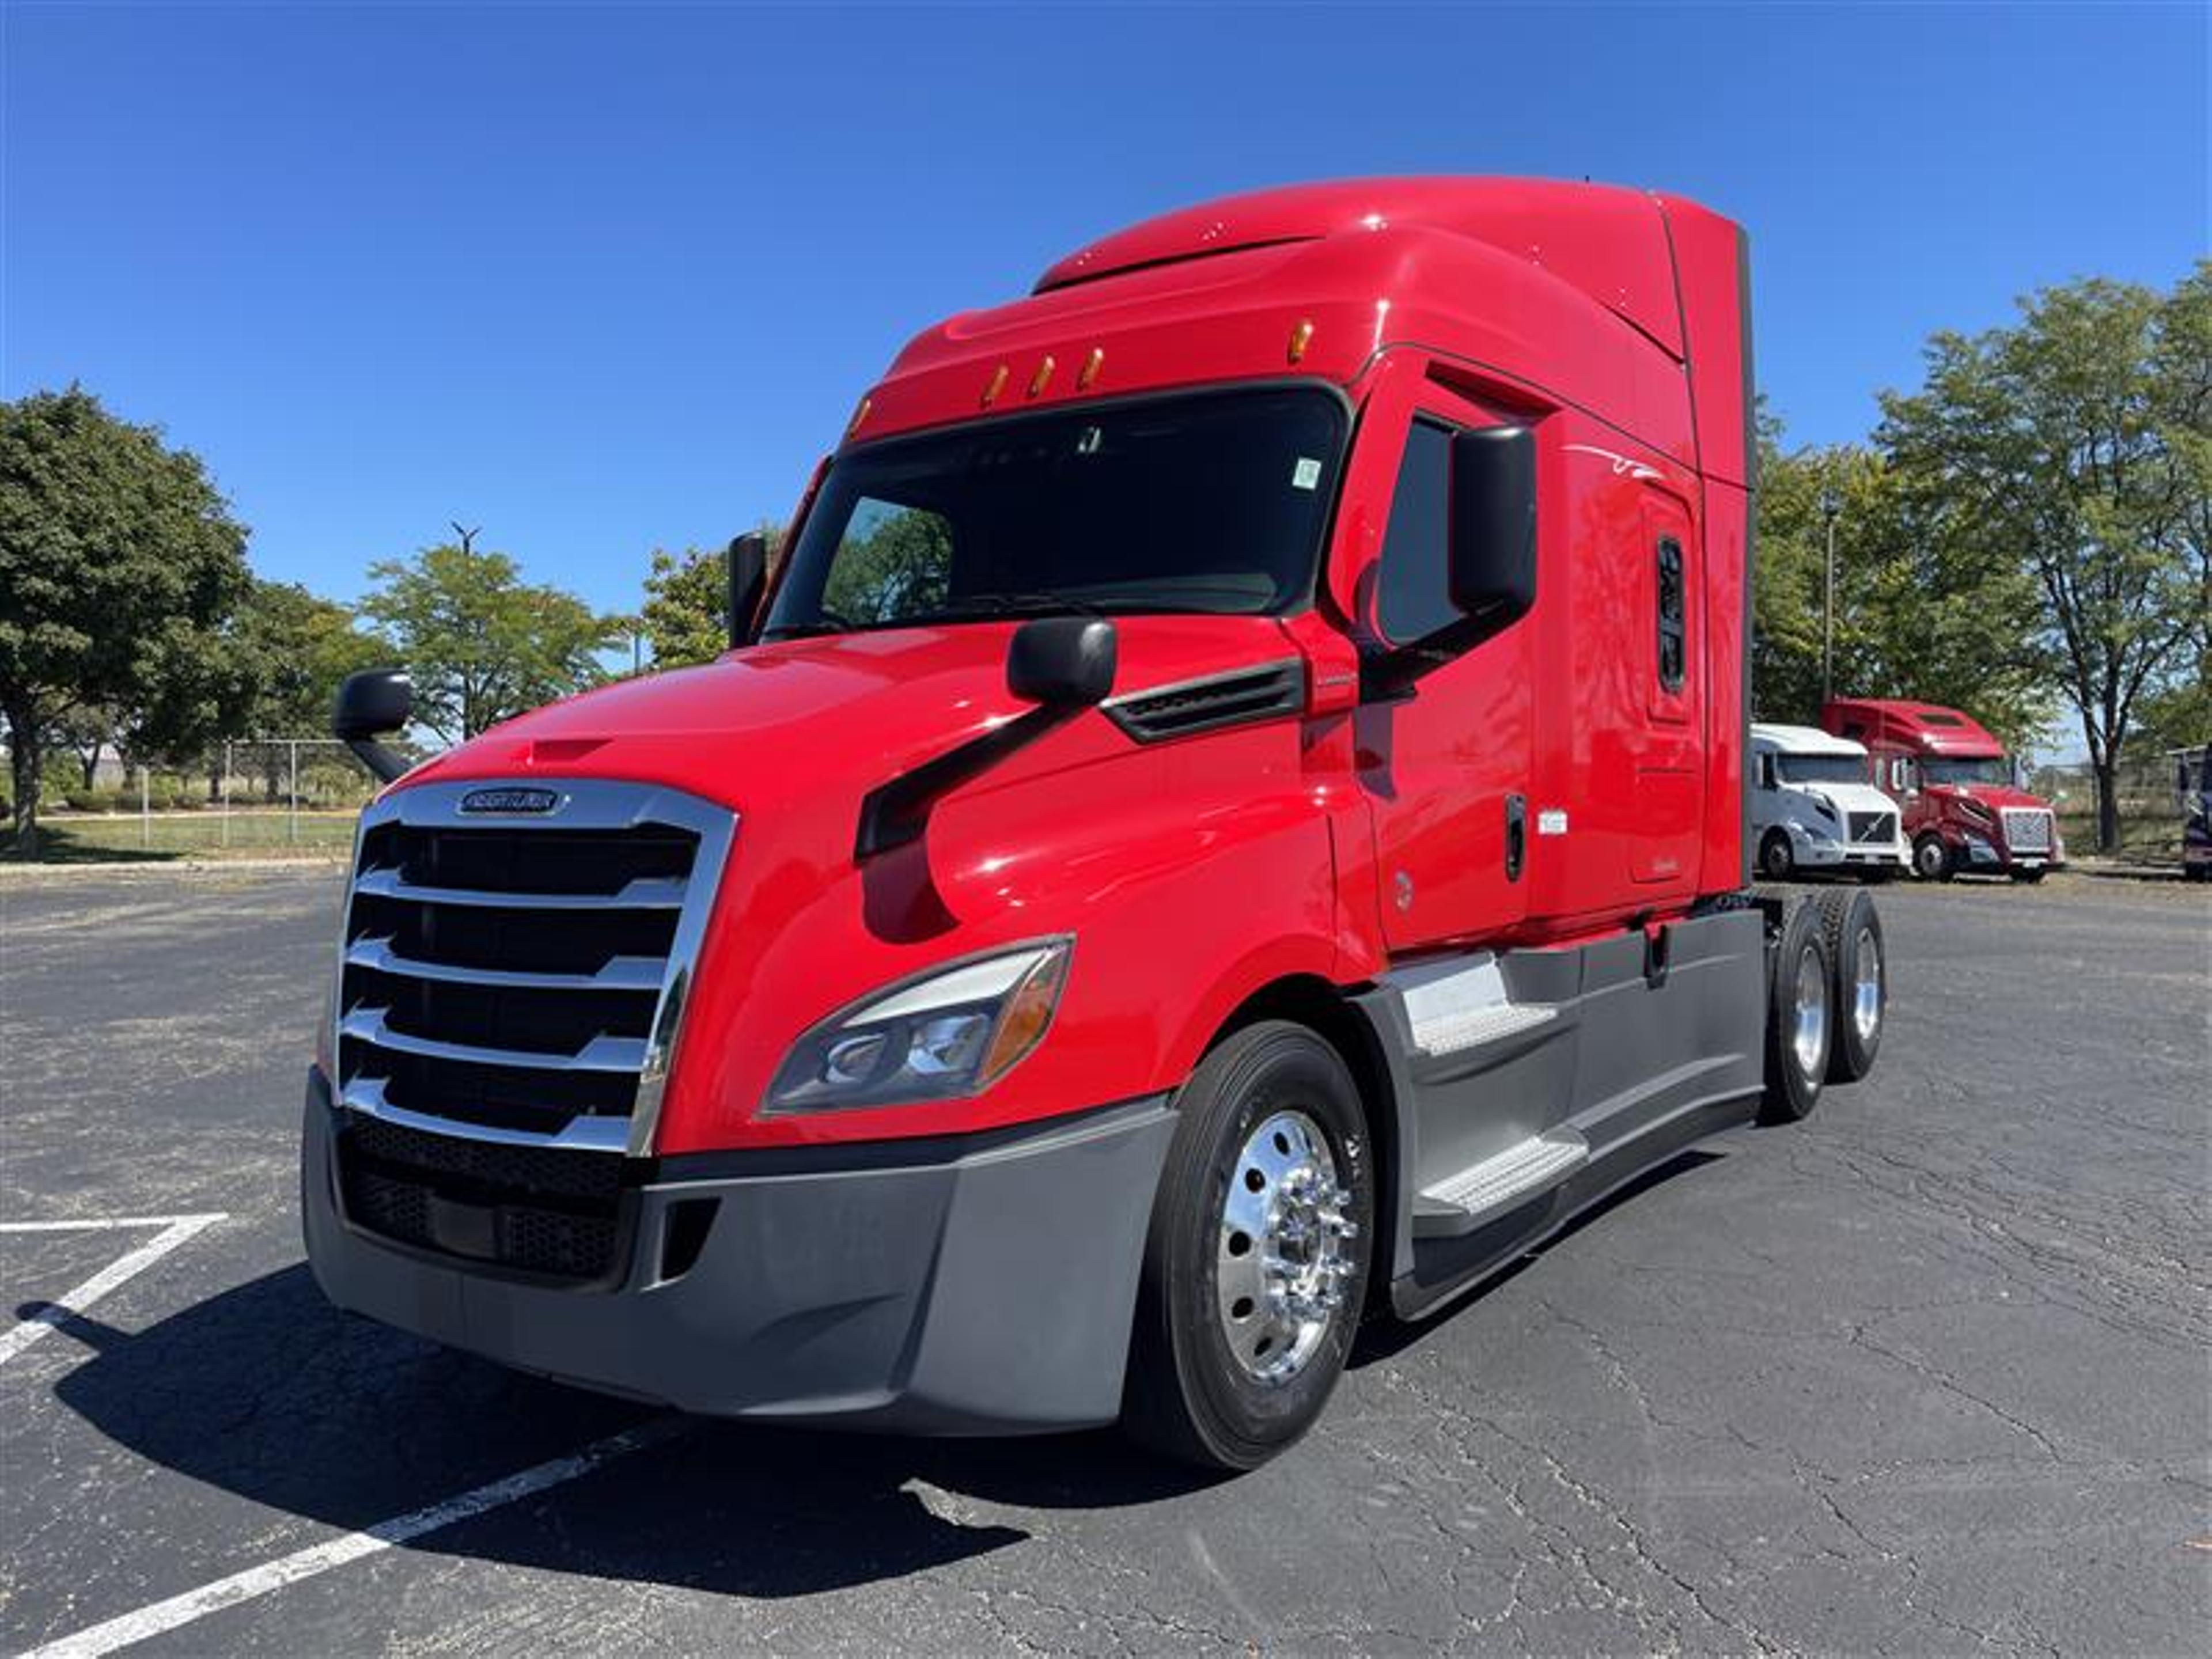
837,714
1995,796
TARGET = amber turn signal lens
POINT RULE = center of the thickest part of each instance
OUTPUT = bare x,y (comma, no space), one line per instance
1029,1011
1301,338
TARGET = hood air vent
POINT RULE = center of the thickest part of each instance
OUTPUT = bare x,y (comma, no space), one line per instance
1235,698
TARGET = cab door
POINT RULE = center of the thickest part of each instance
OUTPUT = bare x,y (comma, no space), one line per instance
1444,765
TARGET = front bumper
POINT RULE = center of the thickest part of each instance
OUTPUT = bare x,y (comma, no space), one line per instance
1821,853
980,1285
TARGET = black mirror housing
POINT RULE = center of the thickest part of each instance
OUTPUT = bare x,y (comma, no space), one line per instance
1493,558
748,562
372,703
369,704
1063,662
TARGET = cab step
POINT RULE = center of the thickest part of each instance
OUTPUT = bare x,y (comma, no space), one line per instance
1460,1203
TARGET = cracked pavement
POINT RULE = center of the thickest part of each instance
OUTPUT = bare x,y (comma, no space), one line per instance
1925,1374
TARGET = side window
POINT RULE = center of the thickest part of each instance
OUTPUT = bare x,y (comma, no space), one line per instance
891,561
1767,775
1670,611
1412,594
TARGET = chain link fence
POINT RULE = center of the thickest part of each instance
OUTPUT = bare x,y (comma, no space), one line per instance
271,795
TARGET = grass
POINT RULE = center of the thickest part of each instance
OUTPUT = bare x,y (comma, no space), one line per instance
163,837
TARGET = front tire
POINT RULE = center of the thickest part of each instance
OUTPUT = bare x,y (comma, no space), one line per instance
1777,860
1799,1028
1931,859
1256,1264
2029,877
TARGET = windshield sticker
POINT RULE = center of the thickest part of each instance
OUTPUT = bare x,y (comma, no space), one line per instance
1306,474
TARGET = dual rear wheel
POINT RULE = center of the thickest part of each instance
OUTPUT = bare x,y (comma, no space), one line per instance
1827,999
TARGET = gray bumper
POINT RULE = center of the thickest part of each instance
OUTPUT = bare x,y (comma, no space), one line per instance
970,1286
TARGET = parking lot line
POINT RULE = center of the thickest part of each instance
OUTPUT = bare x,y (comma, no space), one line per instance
178,1610
175,1230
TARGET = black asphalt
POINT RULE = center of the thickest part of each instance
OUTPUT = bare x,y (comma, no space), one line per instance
1927,1373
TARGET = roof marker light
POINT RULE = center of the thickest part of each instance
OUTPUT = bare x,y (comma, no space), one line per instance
1091,364
1301,336
859,414
1043,378
998,385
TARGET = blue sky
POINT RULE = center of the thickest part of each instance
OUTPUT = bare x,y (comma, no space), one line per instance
601,278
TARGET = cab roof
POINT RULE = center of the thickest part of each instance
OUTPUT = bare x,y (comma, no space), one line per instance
1934,728
1608,241
1803,739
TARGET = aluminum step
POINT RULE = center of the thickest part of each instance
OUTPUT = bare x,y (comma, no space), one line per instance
1463,1004
1459,1203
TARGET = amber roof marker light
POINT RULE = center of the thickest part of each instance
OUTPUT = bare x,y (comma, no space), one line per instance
1301,338
1043,378
1091,364
998,385
859,414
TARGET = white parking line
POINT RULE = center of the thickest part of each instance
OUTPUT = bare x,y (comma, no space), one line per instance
352,1546
175,1230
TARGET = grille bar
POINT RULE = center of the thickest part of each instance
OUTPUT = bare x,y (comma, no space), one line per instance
581,1134
601,1053
646,893
619,973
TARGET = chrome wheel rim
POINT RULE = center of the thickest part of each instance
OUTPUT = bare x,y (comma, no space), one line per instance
1809,1036
1866,988
1930,856
1282,1261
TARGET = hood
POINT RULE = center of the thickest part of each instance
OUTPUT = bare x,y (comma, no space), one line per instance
1847,797
837,714
1995,796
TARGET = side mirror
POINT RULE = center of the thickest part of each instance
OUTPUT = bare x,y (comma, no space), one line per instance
1492,556
1063,662
369,704
748,560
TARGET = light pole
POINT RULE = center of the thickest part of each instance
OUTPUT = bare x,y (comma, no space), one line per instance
1831,505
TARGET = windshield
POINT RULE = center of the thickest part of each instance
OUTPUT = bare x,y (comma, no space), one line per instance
1200,501
1821,768
1991,770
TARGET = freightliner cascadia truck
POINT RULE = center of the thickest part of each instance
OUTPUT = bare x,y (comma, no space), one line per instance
1228,816
1963,812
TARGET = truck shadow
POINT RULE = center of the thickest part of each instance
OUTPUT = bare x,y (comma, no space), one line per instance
267,1392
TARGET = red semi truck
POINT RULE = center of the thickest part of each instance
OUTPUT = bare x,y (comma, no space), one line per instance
1963,812
1229,811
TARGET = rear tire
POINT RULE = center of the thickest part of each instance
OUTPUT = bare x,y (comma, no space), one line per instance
1255,1267
1931,859
1850,929
1799,1026
2029,877
1777,860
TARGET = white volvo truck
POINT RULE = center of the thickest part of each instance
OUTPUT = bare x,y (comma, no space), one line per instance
1814,807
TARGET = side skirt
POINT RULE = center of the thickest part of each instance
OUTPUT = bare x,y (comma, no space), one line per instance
1528,1085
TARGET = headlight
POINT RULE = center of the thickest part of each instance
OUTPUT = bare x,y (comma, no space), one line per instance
950,1033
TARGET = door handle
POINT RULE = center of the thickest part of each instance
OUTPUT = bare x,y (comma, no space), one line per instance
1516,835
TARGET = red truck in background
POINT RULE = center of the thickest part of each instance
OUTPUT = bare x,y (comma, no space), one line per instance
1231,809
1963,810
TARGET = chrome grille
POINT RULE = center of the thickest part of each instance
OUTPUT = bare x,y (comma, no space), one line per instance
512,981
1877,827
2027,829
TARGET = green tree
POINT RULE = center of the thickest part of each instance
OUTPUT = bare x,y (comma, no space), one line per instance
300,645
685,595
483,645
2075,444
119,563
687,598
1918,614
